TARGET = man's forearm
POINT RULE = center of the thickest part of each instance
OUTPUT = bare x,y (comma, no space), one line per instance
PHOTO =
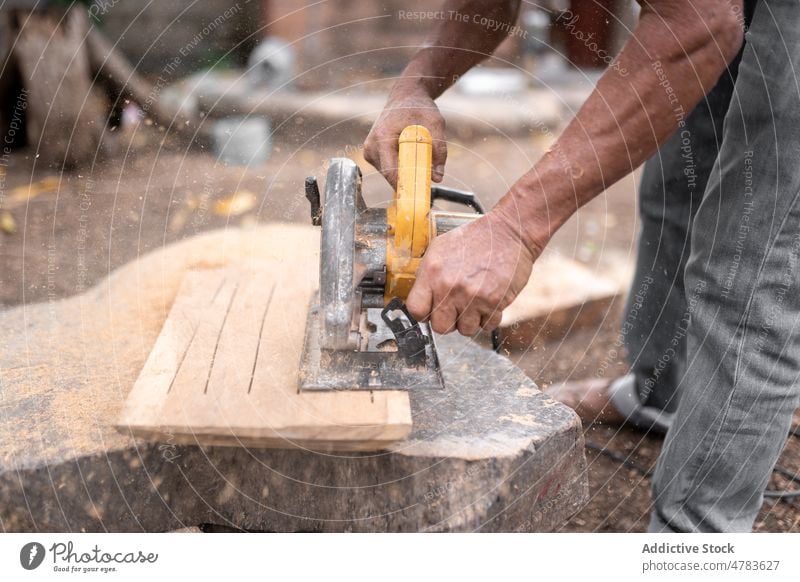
675,57
468,31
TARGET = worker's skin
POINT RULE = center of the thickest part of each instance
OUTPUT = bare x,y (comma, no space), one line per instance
468,276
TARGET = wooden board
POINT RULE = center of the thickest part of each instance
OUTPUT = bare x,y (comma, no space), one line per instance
224,370
561,295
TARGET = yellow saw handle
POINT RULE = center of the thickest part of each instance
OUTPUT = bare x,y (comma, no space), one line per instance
407,215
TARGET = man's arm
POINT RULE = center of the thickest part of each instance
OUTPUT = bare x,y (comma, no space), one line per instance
456,44
676,55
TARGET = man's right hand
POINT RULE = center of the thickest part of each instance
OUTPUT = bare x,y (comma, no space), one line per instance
404,108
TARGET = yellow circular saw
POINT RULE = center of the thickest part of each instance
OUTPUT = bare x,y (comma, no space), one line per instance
359,335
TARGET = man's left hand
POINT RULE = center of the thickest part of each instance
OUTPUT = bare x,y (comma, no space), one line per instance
469,275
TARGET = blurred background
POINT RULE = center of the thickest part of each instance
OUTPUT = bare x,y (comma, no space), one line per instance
130,124
169,118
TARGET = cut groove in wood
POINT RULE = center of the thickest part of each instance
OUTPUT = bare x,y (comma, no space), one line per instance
183,357
260,333
216,345
225,369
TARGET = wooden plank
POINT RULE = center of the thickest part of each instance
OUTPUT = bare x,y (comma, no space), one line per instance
231,349
561,295
163,363
193,375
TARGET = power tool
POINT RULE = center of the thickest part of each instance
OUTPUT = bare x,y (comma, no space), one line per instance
359,334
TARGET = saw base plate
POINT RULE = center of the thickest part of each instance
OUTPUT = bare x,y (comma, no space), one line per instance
325,370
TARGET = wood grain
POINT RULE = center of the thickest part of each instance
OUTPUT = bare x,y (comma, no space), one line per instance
224,370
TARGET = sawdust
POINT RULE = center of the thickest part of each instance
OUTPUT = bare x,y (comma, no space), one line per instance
70,363
523,419
494,445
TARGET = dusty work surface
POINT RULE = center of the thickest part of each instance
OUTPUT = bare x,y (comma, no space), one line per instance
155,197
224,370
493,453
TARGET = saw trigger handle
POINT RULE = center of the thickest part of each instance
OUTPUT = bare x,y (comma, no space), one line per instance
411,342
407,215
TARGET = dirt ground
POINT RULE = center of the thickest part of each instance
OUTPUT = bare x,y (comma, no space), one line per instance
68,233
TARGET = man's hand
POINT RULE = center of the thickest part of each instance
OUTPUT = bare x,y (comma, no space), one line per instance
676,55
469,275
405,108
453,47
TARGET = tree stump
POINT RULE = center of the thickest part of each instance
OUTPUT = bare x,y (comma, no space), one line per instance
59,80
63,115
489,452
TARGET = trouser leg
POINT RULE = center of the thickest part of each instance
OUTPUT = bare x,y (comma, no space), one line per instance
657,311
741,383
656,314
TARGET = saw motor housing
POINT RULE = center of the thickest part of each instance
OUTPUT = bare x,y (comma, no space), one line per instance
360,336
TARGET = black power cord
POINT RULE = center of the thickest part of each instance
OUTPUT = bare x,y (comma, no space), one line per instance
793,477
620,458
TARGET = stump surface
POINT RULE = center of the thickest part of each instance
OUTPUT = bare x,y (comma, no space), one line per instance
495,454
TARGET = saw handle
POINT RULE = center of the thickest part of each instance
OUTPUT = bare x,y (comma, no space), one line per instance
458,196
411,341
412,199
407,215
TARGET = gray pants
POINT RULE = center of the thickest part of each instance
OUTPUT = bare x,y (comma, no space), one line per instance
712,324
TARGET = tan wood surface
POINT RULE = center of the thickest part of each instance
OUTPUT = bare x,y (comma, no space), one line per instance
224,370
561,295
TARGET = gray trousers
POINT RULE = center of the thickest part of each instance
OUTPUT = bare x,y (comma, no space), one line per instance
712,321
